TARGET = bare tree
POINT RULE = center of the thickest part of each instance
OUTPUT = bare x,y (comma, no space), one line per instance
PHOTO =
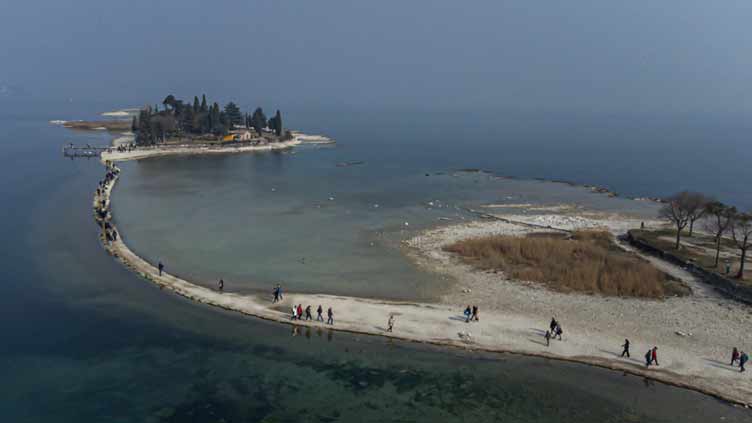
719,218
676,211
696,203
741,230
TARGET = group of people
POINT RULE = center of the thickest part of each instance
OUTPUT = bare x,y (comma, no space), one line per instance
554,330
299,313
102,207
471,314
651,357
739,356
125,148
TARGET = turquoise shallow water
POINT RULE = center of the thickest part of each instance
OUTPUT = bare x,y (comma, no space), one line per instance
302,220
86,340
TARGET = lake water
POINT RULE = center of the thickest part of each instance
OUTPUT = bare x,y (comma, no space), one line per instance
86,340
302,220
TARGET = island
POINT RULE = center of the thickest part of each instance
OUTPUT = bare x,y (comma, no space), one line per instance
181,128
199,123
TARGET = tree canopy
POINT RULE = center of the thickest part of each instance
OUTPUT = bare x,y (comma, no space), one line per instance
198,118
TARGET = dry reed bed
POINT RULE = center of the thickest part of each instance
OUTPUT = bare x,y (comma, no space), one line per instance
586,261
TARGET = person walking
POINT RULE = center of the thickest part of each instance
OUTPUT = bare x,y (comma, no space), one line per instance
467,314
160,266
734,356
548,338
294,312
625,352
475,313
275,292
655,356
279,292
319,317
308,313
649,358
390,323
330,315
221,285
743,358
300,311
553,325
559,331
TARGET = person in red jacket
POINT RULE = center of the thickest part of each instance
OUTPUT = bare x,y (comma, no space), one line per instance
655,356
734,356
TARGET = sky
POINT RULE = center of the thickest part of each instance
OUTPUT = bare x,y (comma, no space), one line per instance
665,56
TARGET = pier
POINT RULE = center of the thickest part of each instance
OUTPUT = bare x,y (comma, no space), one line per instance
87,150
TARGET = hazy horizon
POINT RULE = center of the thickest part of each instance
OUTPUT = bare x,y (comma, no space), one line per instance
591,56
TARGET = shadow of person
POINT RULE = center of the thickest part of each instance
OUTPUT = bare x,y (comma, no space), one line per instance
535,341
721,365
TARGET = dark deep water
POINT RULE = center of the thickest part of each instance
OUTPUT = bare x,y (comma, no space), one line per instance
85,340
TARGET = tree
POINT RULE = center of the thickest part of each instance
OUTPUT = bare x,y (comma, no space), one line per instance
676,211
196,107
258,120
741,231
144,135
696,207
234,117
719,220
187,120
204,106
277,123
217,125
134,125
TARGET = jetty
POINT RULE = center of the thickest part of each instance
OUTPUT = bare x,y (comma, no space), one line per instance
71,150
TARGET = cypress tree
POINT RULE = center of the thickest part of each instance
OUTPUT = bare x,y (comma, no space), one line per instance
278,123
195,104
204,107
258,121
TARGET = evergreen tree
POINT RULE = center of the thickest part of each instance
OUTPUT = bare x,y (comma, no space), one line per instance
204,107
144,136
196,106
234,117
258,121
134,125
186,120
277,123
216,123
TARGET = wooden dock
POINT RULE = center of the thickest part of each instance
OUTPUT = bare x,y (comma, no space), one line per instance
71,150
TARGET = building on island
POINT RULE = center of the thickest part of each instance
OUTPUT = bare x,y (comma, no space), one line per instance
243,134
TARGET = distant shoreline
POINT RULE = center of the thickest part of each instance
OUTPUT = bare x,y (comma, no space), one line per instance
159,150
424,322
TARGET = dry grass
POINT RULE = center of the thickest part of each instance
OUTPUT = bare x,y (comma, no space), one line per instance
588,261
